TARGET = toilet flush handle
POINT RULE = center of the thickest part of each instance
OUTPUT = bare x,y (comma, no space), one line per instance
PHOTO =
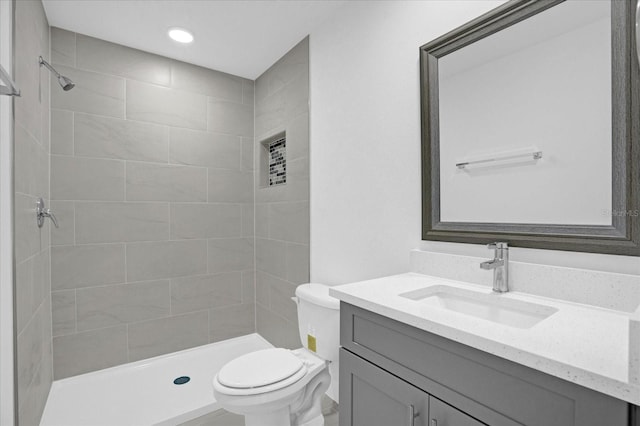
295,300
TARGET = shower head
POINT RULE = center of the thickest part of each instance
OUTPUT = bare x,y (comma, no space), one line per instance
65,82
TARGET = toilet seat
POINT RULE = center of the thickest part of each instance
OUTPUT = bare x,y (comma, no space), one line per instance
260,372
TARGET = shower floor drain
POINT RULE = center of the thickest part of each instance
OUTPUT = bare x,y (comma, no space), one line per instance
181,380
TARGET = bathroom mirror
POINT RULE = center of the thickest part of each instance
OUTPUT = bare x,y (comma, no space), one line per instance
530,126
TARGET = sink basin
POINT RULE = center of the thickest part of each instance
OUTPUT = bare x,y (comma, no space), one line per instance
491,307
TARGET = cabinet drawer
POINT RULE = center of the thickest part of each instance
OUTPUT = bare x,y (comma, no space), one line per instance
479,383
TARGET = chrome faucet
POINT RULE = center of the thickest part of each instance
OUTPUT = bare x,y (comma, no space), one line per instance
500,266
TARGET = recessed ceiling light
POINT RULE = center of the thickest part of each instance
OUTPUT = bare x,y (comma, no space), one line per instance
180,35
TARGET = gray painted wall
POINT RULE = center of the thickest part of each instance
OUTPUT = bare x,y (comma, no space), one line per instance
282,212
152,182
31,162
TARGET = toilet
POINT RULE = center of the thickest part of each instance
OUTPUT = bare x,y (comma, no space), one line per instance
282,387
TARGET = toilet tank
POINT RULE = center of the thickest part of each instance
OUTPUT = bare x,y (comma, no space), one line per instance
319,320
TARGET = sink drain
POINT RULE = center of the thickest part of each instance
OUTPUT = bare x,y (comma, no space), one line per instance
181,380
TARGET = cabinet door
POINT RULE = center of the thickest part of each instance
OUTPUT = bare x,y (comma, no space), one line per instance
370,396
441,414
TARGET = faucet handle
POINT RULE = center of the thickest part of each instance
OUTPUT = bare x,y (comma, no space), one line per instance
498,246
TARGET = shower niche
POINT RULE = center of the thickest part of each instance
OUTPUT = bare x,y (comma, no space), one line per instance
273,160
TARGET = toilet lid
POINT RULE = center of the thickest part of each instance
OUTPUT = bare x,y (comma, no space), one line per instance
260,368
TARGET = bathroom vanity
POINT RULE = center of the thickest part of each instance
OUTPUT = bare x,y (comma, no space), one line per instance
406,361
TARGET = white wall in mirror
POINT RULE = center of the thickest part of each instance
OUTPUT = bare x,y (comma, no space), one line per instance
543,84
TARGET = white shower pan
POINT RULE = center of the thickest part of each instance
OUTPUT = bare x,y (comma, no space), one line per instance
143,393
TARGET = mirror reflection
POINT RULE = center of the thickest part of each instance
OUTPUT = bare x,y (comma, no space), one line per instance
526,121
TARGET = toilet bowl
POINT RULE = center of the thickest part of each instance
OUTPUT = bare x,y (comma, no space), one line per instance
282,387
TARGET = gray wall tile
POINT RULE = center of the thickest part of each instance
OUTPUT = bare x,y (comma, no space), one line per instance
247,154
248,228
61,132
167,259
74,178
271,257
87,265
262,220
196,148
65,213
230,186
230,254
275,294
31,406
212,83
198,221
289,222
92,350
192,294
32,277
94,93
31,180
298,132
289,67
63,47
102,307
277,330
156,104
132,195
156,337
297,263
248,287
106,137
263,288
231,321
30,42
297,96
230,117
63,311
282,212
270,115
121,222
31,164
248,92
280,294
29,239
109,58
157,182
30,349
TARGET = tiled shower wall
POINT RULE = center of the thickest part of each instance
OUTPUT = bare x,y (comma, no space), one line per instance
152,182
31,180
282,211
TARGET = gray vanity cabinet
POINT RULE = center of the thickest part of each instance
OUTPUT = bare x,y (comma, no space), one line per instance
390,370
379,398
375,397
441,414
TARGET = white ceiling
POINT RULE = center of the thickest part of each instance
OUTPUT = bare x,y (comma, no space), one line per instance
238,37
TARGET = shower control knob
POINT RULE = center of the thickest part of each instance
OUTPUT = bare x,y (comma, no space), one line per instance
42,212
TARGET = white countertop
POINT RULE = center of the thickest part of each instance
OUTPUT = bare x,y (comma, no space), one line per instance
579,343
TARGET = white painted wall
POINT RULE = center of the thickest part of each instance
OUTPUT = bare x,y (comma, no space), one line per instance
365,143
7,397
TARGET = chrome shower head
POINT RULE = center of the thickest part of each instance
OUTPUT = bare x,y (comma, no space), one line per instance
65,82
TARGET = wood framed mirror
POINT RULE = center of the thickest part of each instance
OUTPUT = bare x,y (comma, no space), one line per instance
530,128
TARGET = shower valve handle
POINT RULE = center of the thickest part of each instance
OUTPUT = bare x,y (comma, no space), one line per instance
42,212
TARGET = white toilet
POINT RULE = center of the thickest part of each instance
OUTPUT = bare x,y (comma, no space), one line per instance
281,387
